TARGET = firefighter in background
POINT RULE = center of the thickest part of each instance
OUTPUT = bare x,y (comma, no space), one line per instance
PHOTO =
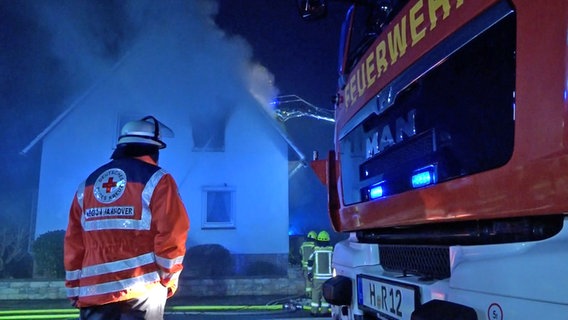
125,239
306,250
319,270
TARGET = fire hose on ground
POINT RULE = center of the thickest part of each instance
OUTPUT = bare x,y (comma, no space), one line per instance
72,313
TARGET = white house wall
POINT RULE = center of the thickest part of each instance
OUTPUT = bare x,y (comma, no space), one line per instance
254,162
257,167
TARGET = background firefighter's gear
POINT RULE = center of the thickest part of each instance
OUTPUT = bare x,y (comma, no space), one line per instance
312,236
126,233
306,250
323,236
319,265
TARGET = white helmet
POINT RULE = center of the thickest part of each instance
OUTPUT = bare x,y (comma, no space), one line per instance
148,130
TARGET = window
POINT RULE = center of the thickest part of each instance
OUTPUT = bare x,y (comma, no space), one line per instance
208,126
209,135
218,208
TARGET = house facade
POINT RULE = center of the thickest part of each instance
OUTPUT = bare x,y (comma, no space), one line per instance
228,156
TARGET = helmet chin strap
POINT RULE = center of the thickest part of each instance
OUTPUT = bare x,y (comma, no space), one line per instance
156,126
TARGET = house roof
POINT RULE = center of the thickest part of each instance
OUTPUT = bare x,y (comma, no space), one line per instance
73,105
272,120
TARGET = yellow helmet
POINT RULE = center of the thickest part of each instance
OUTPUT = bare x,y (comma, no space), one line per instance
323,236
312,235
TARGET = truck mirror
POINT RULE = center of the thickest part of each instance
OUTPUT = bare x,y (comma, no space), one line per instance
312,9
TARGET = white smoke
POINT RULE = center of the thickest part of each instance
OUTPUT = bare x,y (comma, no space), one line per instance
261,86
91,38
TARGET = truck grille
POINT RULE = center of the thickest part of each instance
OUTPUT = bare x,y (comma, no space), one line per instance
431,262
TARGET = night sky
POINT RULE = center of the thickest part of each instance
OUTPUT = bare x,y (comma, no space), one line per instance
52,52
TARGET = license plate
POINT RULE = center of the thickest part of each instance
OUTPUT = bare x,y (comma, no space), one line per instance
391,299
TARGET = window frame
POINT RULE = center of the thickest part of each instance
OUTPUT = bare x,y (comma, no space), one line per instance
231,222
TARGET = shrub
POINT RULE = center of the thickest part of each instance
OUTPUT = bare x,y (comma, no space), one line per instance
208,261
21,268
13,245
48,254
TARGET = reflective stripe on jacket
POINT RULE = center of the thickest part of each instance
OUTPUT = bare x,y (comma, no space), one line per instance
126,233
306,250
321,262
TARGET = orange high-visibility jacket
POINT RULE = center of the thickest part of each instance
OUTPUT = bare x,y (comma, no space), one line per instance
126,233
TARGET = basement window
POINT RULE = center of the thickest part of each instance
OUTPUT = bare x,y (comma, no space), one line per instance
218,208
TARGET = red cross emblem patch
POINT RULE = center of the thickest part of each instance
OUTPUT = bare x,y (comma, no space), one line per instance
110,185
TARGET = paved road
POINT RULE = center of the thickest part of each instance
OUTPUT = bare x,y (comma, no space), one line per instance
181,315
256,312
240,308
223,308
282,315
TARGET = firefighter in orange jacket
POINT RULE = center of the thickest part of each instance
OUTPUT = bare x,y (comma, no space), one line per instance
125,240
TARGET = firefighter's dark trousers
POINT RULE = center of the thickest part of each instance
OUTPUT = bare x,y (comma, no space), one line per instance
149,307
318,304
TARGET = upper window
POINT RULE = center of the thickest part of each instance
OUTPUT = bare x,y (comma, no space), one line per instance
209,126
208,136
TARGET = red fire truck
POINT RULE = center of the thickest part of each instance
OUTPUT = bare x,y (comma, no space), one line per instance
450,168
